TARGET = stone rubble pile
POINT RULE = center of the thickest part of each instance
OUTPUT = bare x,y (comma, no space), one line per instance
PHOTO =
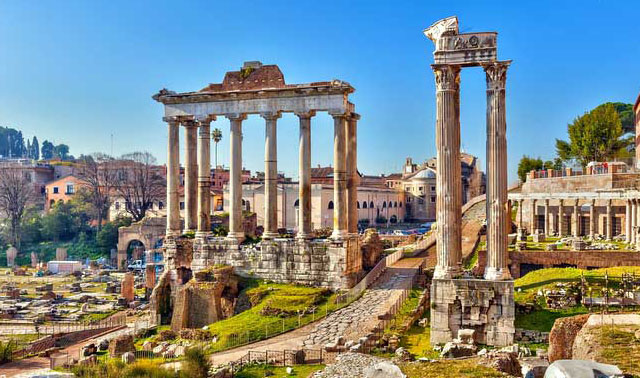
359,365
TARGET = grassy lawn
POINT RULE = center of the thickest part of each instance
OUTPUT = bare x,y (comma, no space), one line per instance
416,341
543,318
619,347
405,311
468,368
275,309
260,371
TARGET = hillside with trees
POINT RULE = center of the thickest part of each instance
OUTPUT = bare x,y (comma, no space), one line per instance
13,145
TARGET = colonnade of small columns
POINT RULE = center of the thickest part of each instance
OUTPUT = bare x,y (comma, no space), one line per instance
197,178
571,208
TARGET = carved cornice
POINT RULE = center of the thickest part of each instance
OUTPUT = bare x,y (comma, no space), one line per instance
447,77
496,74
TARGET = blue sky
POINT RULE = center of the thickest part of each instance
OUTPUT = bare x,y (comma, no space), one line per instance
76,72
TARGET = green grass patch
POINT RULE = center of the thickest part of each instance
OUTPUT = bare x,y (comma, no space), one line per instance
275,309
405,311
416,341
472,259
468,368
260,371
543,319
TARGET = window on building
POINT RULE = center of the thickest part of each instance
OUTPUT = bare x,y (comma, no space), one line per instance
433,188
364,204
384,204
395,203
420,201
70,189
297,203
357,204
181,205
160,205
330,206
371,204
433,199
420,188
400,204
55,190
117,205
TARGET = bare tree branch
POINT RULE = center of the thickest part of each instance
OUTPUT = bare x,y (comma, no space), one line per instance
15,193
98,173
139,183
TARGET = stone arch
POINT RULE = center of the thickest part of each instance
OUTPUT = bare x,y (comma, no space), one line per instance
364,204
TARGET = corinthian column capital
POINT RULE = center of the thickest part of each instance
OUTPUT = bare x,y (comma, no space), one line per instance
447,77
496,74
236,116
306,114
270,116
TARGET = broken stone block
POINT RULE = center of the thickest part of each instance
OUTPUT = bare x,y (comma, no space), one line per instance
466,335
454,350
127,288
120,345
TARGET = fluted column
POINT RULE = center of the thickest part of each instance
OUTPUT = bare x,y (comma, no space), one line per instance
561,219
448,179
534,217
520,226
190,176
270,175
547,220
575,219
609,230
339,176
304,173
633,221
236,230
204,176
497,207
627,220
352,173
592,219
173,177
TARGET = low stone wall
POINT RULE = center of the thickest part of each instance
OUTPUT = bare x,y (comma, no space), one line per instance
581,259
531,336
315,263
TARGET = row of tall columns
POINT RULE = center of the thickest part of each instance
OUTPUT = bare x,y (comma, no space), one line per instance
198,180
497,200
448,179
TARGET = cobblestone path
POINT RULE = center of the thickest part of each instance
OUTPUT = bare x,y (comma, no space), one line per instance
359,318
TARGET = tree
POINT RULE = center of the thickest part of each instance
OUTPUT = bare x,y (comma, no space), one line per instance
107,238
65,221
61,151
47,150
98,175
216,135
139,183
594,136
526,165
627,118
15,193
35,149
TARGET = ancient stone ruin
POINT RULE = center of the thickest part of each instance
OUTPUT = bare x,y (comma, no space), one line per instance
258,89
486,306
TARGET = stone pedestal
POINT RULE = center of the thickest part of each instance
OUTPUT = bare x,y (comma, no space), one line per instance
12,252
578,245
485,306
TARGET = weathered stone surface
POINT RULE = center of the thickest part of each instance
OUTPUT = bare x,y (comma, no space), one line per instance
454,350
120,345
506,362
355,365
127,289
533,367
383,370
581,368
371,248
12,252
466,336
562,336
449,297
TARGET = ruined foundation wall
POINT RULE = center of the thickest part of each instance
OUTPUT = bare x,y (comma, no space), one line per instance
486,306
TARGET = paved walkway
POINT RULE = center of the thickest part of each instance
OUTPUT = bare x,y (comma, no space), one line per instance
355,319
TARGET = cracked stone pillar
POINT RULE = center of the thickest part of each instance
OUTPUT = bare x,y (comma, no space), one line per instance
609,230
190,176
236,229
497,205
628,220
448,179
270,175
304,173
575,219
339,176
352,173
173,177
204,176
592,219
547,219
